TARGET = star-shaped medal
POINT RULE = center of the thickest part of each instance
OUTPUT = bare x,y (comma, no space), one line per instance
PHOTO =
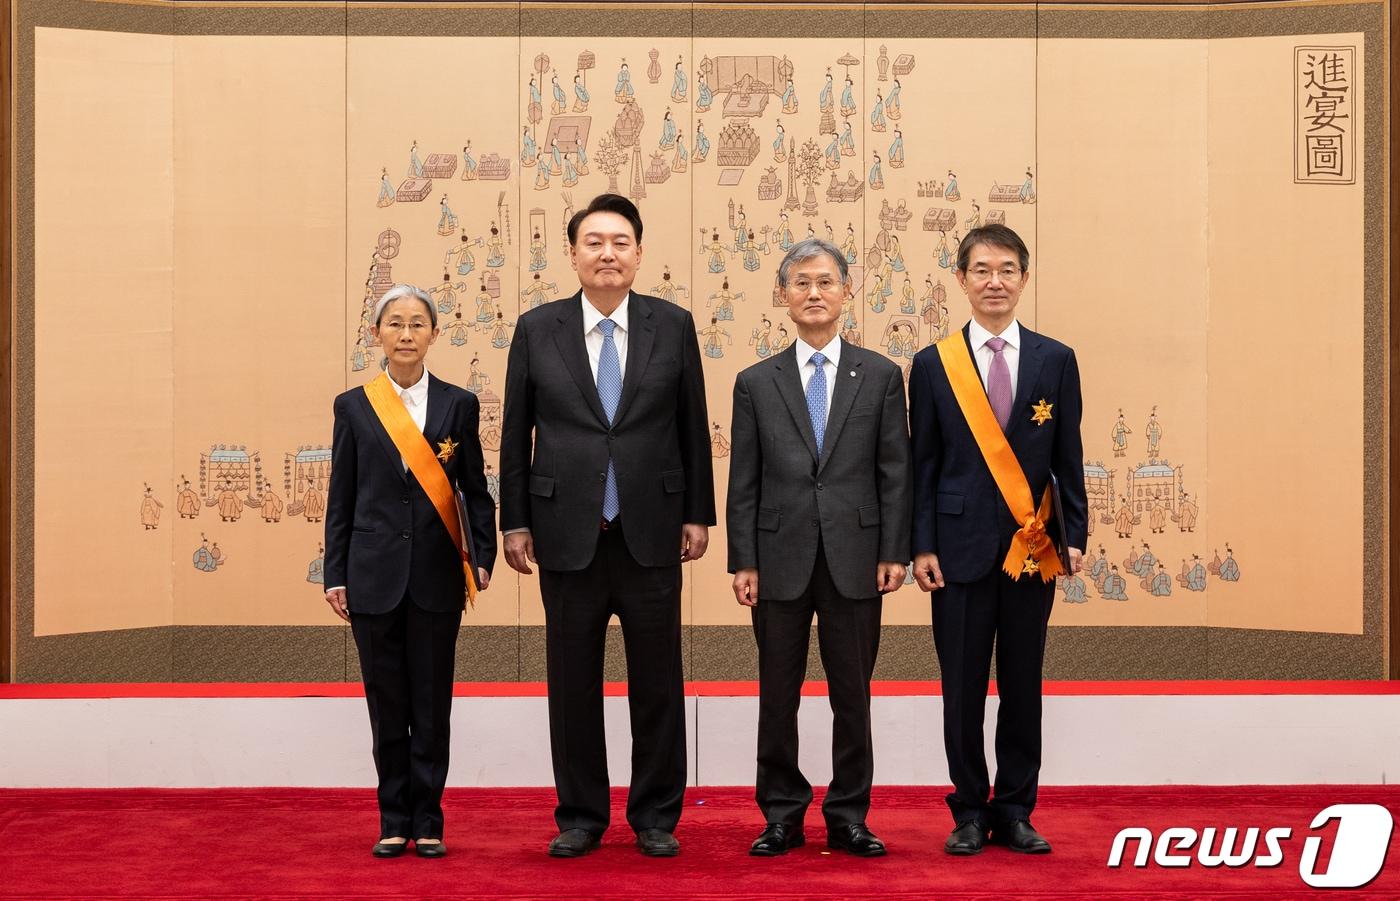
1042,412
446,449
1030,567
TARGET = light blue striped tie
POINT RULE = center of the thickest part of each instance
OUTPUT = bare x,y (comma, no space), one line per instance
816,399
609,392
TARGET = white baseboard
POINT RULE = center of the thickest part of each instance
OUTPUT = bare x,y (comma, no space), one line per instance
504,741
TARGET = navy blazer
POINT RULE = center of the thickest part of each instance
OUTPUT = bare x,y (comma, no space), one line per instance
383,534
959,514
556,440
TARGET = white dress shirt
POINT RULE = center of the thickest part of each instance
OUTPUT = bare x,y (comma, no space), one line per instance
983,354
832,366
593,336
415,399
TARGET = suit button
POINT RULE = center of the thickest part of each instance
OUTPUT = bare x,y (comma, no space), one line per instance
611,434
816,522
405,534
819,486
404,499
602,476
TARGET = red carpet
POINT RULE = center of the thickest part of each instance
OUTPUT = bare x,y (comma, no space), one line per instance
314,843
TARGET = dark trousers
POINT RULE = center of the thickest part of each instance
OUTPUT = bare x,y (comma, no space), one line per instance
967,618
848,636
406,658
577,606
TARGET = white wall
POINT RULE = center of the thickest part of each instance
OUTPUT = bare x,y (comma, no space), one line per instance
1126,740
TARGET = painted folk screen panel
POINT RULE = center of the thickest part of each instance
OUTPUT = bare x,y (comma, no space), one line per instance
1210,260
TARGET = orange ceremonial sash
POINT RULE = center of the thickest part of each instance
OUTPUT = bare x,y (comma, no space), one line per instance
423,463
1031,549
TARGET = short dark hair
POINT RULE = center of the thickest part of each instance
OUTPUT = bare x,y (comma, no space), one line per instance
996,236
607,203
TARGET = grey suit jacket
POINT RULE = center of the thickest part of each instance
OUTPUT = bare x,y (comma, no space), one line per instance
855,496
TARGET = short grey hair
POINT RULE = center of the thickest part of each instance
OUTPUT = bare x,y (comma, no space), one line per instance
399,292
807,249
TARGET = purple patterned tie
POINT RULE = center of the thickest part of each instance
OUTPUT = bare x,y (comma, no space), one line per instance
999,383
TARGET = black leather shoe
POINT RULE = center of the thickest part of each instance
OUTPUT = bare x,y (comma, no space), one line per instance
388,849
776,839
1020,836
427,848
856,839
658,843
573,843
967,839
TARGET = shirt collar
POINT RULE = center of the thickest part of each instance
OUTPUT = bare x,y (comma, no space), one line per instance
980,336
591,316
832,351
416,394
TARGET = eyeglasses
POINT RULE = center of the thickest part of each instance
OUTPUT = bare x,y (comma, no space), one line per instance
982,274
417,326
824,285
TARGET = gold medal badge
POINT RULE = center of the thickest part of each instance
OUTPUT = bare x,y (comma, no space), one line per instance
447,449
1042,412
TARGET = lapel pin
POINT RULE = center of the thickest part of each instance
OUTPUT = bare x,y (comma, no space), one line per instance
853,373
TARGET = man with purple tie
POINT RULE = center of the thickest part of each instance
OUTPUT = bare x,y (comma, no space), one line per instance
994,411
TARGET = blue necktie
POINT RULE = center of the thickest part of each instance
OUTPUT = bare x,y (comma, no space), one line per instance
609,392
816,399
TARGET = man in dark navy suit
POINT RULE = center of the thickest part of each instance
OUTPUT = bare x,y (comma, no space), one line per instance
606,482
963,533
396,574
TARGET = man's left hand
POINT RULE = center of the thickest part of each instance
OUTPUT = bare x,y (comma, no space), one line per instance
694,540
889,576
483,578
1076,560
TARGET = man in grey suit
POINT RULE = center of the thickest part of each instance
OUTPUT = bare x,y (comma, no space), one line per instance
819,505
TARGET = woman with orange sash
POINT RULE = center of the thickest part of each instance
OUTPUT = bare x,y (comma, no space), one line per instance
406,470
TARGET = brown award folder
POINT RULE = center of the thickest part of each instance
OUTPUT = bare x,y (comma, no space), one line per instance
466,529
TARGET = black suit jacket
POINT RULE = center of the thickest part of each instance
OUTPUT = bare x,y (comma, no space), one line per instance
782,497
383,534
959,513
660,441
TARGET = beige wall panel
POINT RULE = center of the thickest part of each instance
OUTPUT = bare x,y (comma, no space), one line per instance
260,278
1284,354
103,382
1122,276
